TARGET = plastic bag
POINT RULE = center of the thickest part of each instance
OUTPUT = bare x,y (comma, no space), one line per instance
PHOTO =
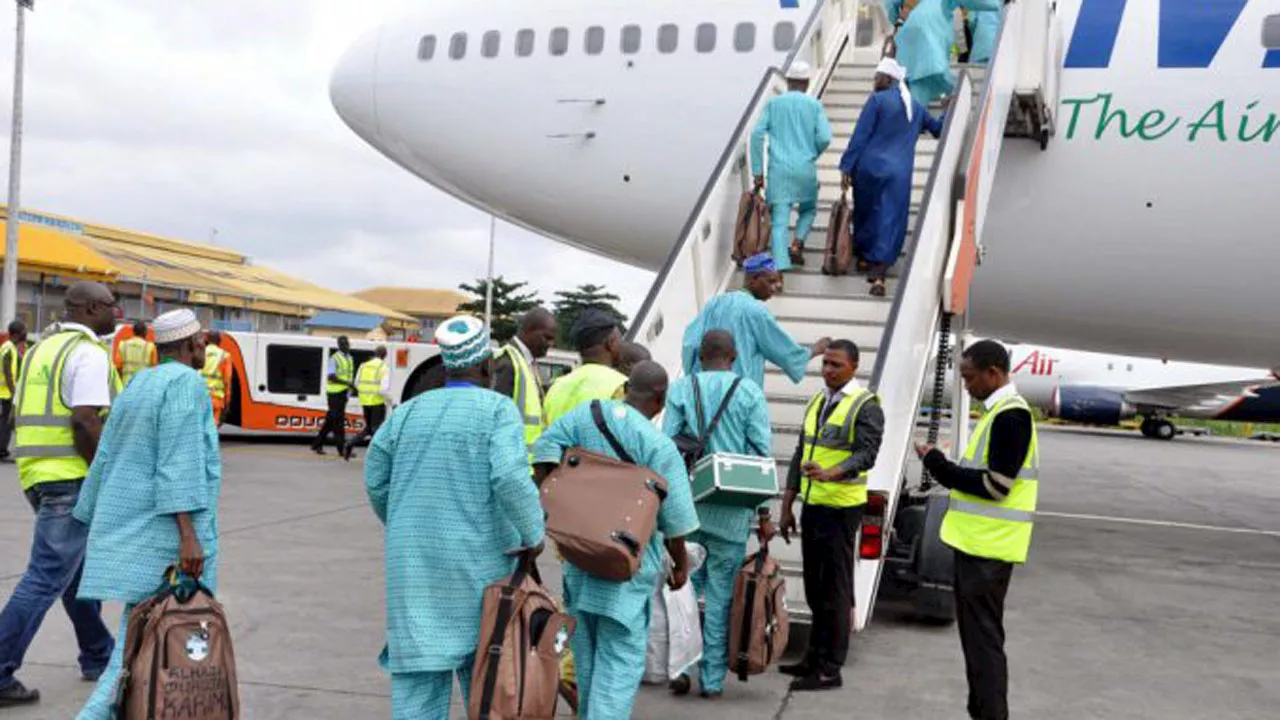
675,628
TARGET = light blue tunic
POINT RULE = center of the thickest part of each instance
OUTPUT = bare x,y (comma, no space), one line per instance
743,430
798,132
924,43
985,26
756,335
158,457
449,476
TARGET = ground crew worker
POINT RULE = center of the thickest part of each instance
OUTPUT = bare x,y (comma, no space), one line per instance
613,617
989,519
599,342
743,429
11,353
66,384
838,446
373,386
217,373
340,376
135,353
515,369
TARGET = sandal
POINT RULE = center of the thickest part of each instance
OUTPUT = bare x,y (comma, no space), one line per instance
878,289
797,255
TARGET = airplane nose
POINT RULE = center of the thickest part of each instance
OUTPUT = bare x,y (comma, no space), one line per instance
353,87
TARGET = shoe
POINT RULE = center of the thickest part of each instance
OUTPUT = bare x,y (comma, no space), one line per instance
712,694
317,450
680,686
347,452
18,694
92,675
817,681
799,669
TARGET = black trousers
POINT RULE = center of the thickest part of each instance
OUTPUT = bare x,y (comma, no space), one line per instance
981,586
373,417
6,420
828,541
335,422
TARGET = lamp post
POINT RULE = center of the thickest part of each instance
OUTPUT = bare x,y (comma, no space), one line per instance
9,285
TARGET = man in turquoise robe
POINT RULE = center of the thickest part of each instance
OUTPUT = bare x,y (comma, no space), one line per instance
613,617
755,330
799,132
924,41
151,497
985,28
448,475
743,430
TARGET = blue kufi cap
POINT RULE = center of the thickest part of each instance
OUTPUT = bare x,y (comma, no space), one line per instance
761,263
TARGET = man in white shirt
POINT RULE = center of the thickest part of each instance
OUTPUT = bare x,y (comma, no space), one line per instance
59,420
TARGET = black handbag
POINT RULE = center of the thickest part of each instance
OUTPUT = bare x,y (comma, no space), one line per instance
694,447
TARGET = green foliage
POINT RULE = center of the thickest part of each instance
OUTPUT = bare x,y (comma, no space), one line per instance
569,304
509,303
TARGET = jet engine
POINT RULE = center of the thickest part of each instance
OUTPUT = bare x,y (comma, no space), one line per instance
1091,405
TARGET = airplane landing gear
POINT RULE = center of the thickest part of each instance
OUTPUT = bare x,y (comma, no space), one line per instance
1158,428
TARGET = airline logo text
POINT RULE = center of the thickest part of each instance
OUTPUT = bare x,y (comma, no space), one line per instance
1037,363
1190,32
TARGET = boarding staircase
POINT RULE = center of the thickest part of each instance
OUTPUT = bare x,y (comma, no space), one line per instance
897,333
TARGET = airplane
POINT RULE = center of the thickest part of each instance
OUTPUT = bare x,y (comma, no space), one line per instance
1142,228
1102,389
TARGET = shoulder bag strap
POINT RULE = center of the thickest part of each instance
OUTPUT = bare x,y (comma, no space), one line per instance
724,405
697,411
597,414
527,567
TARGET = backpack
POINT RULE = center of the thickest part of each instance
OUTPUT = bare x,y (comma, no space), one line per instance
516,675
694,448
759,625
178,657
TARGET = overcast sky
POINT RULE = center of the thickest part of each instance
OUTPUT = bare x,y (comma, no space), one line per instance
181,117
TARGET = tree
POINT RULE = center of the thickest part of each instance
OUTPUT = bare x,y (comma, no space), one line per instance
509,303
570,304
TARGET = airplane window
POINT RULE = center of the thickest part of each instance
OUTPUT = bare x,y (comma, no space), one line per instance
744,37
524,43
668,38
595,40
559,41
706,38
631,39
490,44
784,36
458,46
427,47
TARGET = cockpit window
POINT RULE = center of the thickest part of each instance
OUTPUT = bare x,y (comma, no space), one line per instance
427,47
559,41
744,37
458,46
784,36
706,38
524,43
668,38
631,37
595,40
490,44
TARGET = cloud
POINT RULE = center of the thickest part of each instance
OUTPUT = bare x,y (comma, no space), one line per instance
212,121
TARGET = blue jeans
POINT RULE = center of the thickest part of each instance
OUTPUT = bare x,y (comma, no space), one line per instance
57,557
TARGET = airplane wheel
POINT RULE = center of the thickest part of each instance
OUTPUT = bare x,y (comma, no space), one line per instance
1148,429
1163,430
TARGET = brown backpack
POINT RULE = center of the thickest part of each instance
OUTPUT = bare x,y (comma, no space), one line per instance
602,512
758,622
838,256
178,658
752,234
516,675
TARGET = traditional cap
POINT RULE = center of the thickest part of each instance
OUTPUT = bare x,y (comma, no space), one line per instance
176,325
892,68
463,341
799,70
590,320
762,263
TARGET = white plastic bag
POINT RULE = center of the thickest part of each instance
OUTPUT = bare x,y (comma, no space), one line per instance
675,629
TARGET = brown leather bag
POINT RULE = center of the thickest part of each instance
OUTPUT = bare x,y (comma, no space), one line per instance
758,622
837,258
600,511
752,234
516,675
178,659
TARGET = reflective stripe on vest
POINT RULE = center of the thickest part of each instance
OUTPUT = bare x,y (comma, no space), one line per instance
45,443
212,370
344,368
135,356
985,528
369,382
8,356
527,394
832,445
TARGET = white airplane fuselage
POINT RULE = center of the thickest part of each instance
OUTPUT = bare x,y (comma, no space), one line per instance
1146,227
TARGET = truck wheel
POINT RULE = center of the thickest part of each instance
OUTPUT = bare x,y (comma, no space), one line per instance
935,566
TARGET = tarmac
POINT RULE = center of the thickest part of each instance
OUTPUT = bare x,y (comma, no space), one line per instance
1153,591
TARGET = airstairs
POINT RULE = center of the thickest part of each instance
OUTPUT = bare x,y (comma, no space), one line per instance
896,334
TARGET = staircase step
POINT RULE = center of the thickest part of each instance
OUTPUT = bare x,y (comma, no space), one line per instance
830,176
830,193
777,384
822,286
844,309
808,331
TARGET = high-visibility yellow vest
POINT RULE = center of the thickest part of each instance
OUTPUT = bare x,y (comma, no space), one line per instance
527,394
9,357
344,368
369,382
589,382
212,370
45,442
831,445
135,356
985,528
